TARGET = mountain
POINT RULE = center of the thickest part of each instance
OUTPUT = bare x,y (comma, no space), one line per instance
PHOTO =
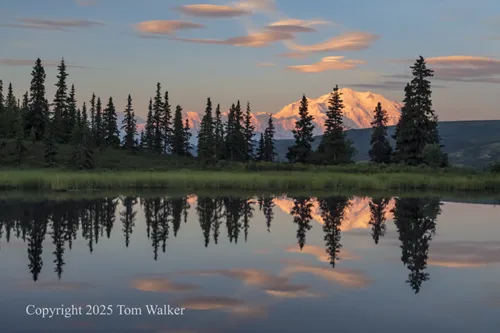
468,143
358,113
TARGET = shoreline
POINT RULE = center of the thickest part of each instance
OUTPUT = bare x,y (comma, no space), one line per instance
277,181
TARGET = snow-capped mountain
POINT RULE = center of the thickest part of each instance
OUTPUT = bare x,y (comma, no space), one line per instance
358,113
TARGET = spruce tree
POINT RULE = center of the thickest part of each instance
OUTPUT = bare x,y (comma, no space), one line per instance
141,141
206,142
229,140
158,109
334,147
38,107
70,118
85,117
2,102
88,151
92,115
418,125
178,139
269,152
381,150
187,138
259,156
303,134
218,134
77,148
50,155
249,134
60,104
149,134
19,137
111,133
98,122
167,124
129,126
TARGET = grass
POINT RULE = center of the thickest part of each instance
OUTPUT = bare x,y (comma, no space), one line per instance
195,180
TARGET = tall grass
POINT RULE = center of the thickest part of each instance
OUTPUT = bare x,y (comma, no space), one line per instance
224,180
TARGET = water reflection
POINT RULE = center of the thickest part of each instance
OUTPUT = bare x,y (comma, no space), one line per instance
92,220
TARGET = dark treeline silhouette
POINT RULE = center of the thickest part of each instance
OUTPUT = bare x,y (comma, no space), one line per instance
62,222
94,126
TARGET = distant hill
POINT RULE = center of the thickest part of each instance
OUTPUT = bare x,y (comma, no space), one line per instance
468,143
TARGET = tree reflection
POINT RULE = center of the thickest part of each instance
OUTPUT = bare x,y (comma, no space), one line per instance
377,217
301,211
415,219
332,211
127,217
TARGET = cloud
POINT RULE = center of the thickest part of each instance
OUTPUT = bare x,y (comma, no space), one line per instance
460,68
29,62
352,41
327,64
215,11
227,304
464,254
292,25
256,5
61,25
165,27
85,3
258,39
297,55
277,286
344,277
162,285
321,254
266,64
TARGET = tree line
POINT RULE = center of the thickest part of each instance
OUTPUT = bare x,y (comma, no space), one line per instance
94,220
95,126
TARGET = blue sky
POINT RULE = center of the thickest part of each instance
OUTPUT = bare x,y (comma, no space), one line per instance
266,52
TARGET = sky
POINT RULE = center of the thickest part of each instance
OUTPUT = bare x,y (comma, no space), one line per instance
262,51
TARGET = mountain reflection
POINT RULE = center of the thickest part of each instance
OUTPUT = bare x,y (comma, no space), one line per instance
64,222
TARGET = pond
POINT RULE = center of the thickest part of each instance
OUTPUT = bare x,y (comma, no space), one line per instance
249,264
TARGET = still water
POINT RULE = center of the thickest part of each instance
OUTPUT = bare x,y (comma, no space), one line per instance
256,264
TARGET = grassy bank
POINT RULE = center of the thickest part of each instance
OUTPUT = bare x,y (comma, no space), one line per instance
193,180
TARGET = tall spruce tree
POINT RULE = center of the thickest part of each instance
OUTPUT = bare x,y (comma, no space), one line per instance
129,126
259,156
88,151
38,107
158,109
187,138
249,134
300,152
167,124
178,139
70,118
218,134
4,121
381,150
98,123
334,147
92,115
418,124
8,125
206,142
111,133
60,111
77,148
85,117
149,134
269,152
